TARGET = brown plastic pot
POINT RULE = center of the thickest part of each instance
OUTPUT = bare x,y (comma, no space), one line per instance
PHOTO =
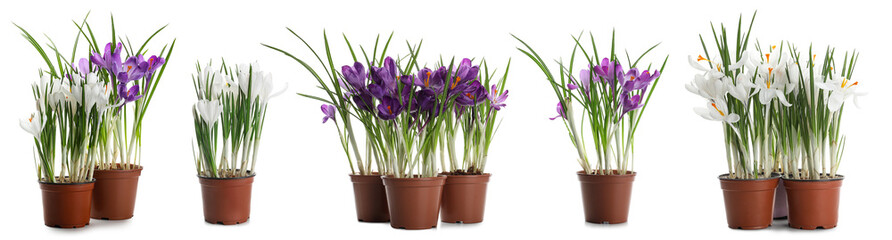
780,201
370,197
226,201
114,194
749,203
606,198
414,202
813,203
464,198
66,205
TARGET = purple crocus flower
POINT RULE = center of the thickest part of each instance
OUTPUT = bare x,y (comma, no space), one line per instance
355,76
109,60
495,100
641,81
572,86
473,94
465,73
364,100
426,100
427,79
149,67
385,77
389,108
585,77
83,66
132,69
609,70
329,111
630,103
560,110
128,94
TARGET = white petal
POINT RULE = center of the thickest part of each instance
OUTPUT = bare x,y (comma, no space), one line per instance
695,64
703,112
733,118
783,100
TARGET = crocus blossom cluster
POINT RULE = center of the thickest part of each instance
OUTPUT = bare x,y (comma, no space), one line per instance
612,100
75,101
238,97
778,109
419,101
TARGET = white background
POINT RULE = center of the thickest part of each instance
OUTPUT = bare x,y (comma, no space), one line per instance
302,189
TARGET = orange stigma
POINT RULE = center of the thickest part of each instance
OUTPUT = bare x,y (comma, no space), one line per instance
470,96
701,58
427,81
768,57
455,83
773,46
389,110
717,109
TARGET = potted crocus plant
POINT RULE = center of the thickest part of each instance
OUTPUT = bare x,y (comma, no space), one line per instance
133,79
232,103
344,104
744,90
613,102
72,107
464,194
810,143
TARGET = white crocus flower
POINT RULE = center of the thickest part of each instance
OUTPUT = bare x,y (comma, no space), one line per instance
49,92
709,88
33,125
712,72
840,89
772,79
209,111
266,89
717,110
212,82
741,90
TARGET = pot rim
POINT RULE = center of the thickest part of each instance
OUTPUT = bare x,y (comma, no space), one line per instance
213,178
48,183
629,173
367,175
838,178
413,178
140,168
773,176
458,176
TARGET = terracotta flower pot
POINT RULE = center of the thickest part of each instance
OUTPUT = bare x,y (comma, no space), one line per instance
464,198
66,205
606,198
114,194
780,201
813,203
414,202
370,197
226,201
749,203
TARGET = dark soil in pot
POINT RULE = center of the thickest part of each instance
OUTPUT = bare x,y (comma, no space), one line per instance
414,203
370,197
464,198
606,198
226,201
749,203
813,203
66,205
114,195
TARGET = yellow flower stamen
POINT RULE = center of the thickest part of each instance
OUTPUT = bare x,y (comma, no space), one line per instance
717,109
772,47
